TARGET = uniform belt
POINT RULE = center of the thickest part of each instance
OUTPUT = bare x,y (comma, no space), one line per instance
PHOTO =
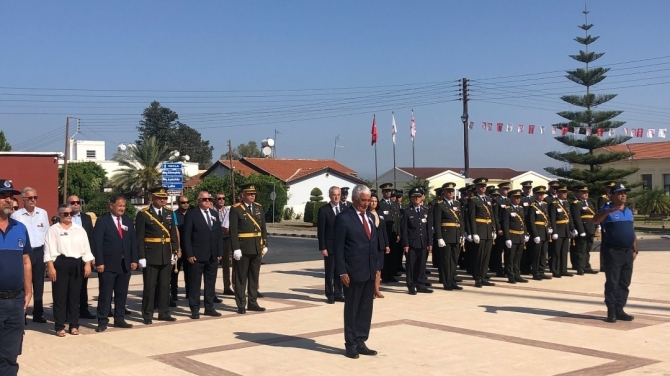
156,240
516,232
540,223
481,220
450,224
11,294
248,235
587,216
562,222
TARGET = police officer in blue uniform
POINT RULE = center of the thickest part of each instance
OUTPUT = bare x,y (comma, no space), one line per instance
619,249
16,287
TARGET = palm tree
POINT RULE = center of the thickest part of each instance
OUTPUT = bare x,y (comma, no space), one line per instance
653,201
140,166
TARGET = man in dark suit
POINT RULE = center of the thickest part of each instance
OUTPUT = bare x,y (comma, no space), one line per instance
158,247
417,239
116,256
203,249
84,220
249,239
356,252
326,224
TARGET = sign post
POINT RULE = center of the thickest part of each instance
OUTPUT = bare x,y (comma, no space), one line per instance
173,178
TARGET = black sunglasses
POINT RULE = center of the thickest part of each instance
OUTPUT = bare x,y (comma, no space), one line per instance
183,202
31,198
75,202
206,199
66,214
15,208
220,198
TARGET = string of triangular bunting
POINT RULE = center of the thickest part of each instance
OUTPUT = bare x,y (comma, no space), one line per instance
565,130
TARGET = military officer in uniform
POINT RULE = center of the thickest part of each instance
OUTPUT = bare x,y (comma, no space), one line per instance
552,191
582,216
448,226
515,234
526,199
391,213
463,200
435,256
344,192
537,222
417,240
604,199
502,202
480,211
561,223
248,236
158,247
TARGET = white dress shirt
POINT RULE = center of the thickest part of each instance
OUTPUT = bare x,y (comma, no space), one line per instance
366,217
336,208
207,215
76,218
37,224
71,242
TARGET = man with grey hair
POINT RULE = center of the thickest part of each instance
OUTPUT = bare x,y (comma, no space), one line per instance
325,234
37,222
356,262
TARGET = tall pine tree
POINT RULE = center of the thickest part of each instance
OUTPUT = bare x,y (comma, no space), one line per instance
592,172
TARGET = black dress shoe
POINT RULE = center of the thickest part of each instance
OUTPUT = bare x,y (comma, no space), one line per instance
256,308
487,283
544,276
566,274
195,315
228,292
39,320
241,311
217,300
456,287
212,313
166,318
520,280
623,316
412,291
363,350
259,295
590,271
123,325
555,275
148,321
392,280
331,301
448,288
610,319
101,328
339,299
580,272
86,315
478,284
511,280
127,312
351,353
424,290
537,277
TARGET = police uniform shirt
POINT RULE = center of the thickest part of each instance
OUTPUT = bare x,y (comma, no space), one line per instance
14,243
618,228
37,224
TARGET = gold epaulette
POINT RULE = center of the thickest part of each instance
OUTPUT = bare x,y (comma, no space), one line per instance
146,209
575,202
255,203
604,196
440,201
237,205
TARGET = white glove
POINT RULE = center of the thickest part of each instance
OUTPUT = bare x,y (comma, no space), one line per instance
537,240
574,233
494,235
469,238
598,228
237,254
143,263
462,240
508,243
476,239
526,239
441,243
264,251
554,237
550,230
583,235
174,259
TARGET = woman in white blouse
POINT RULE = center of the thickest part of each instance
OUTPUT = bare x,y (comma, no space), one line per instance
68,256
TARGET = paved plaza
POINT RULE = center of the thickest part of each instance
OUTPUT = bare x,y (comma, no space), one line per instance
552,327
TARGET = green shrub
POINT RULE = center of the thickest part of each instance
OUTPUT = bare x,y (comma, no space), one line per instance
653,201
317,206
309,212
288,213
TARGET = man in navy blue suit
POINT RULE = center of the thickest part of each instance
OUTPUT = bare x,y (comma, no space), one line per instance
116,256
356,262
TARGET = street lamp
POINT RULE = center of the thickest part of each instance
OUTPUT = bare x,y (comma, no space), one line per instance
466,151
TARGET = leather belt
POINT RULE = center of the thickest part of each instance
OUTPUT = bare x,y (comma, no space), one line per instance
11,294
516,232
540,223
481,220
248,235
450,224
562,222
157,240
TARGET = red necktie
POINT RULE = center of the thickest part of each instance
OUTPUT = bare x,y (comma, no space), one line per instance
118,220
365,224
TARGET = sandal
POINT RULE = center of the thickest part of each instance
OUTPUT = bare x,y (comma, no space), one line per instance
60,333
74,331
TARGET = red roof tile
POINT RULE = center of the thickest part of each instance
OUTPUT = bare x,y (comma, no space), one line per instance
644,150
288,170
491,173
240,167
193,181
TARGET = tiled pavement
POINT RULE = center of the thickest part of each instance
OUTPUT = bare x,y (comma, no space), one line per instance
551,327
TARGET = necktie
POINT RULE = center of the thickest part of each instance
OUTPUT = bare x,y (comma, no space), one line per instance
209,220
365,224
416,209
118,221
160,214
337,210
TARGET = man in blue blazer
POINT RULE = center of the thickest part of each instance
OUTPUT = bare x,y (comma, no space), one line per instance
355,247
116,256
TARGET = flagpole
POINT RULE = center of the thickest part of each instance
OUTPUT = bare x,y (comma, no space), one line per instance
394,130
412,131
394,178
376,173
374,130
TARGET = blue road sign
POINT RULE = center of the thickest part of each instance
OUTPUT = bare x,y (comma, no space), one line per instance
173,179
172,173
174,186
165,166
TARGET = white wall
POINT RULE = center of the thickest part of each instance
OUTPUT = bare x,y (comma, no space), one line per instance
78,150
298,193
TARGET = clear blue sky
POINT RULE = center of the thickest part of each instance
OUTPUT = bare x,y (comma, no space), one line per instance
225,67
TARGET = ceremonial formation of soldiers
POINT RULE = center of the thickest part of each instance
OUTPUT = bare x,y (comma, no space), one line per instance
532,231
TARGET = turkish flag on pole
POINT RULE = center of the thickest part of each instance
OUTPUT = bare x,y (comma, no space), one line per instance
531,129
564,131
640,132
499,127
374,130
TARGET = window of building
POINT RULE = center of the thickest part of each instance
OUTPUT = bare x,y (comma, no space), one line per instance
90,154
666,183
646,181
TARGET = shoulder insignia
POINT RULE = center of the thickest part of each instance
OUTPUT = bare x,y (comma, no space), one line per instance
146,209
604,196
237,205
255,203
575,201
439,201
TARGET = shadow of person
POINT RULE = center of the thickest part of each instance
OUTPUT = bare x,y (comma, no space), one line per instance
305,272
284,295
281,340
528,310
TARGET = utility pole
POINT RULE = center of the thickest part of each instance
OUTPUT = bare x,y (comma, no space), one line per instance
464,118
232,173
66,156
